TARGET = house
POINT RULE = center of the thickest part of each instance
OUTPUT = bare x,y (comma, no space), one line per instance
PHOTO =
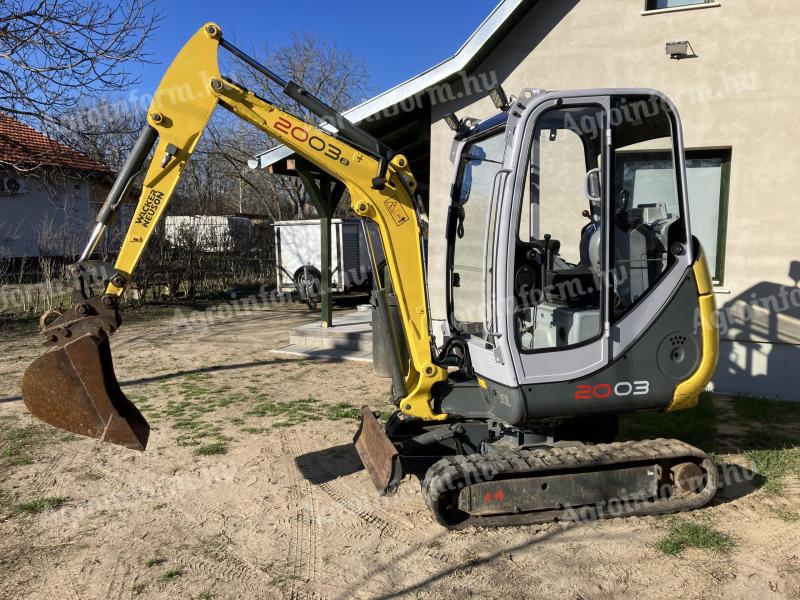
49,193
729,66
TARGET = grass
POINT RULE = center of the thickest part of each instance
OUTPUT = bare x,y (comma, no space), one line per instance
212,449
767,423
190,409
152,562
291,413
297,412
790,516
342,411
14,441
775,465
254,430
10,450
37,505
697,426
685,534
195,397
18,445
170,574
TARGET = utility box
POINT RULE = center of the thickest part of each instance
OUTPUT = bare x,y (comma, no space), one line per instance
298,255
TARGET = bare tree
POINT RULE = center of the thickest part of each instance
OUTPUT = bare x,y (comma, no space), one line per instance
102,131
47,242
55,53
6,256
328,72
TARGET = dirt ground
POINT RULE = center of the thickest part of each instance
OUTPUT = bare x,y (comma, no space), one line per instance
250,488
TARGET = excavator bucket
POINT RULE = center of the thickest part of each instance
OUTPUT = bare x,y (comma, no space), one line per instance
72,386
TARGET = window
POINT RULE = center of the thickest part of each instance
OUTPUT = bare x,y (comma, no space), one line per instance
556,286
708,174
473,251
662,4
647,212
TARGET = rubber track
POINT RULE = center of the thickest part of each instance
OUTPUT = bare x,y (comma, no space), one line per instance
445,479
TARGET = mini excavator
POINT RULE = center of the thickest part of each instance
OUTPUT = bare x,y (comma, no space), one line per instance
556,323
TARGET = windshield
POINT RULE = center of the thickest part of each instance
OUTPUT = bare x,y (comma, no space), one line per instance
473,250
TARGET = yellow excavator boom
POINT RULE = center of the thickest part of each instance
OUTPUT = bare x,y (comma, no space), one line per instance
381,190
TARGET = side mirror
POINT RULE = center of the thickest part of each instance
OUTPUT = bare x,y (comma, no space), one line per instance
593,187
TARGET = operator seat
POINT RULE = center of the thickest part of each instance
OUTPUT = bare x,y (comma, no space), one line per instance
638,256
571,285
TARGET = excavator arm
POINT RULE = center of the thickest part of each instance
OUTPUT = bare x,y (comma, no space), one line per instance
73,386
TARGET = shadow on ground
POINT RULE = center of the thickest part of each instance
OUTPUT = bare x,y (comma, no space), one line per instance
211,369
322,466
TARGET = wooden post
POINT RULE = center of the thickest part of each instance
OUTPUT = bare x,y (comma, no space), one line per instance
325,193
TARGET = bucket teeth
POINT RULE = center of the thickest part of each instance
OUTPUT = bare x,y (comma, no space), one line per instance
73,387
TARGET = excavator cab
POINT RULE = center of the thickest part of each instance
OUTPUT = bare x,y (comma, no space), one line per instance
570,225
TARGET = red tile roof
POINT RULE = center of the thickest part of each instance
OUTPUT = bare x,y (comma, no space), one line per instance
22,145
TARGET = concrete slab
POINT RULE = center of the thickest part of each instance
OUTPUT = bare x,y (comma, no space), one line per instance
349,339
352,331
329,353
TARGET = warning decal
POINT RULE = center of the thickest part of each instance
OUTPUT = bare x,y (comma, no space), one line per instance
397,211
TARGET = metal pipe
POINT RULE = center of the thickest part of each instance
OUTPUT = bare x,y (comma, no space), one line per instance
252,62
347,129
97,233
131,168
376,274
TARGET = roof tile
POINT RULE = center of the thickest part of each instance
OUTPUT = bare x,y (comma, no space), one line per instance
23,145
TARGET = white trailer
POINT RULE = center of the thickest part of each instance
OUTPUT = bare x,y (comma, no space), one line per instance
298,255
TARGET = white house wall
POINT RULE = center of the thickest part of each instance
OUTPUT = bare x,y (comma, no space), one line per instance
48,219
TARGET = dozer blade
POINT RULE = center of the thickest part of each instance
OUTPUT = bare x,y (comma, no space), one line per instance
72,386
377,453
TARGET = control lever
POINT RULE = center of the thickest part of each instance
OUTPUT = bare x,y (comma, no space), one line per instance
547,255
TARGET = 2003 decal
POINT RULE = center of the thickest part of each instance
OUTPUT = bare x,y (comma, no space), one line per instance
601,391
299,133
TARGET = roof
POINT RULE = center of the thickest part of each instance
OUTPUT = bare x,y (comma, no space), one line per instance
22,145
484,37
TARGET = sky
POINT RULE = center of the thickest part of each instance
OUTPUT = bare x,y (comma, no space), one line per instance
394,40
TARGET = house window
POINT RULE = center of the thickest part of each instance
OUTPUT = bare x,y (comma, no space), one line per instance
708,180
662,4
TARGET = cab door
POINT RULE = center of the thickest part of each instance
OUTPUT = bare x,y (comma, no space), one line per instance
555,250
518,186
